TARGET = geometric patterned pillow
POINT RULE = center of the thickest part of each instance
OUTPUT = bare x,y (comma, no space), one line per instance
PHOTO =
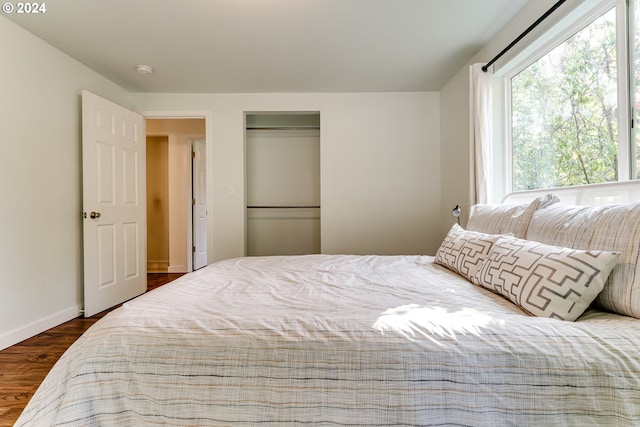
614,228
544,280
464,251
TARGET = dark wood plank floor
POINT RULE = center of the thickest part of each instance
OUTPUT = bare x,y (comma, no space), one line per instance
24,366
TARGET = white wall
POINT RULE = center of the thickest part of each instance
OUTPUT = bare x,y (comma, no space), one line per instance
454,146
40,182
157,203
380,169
454,110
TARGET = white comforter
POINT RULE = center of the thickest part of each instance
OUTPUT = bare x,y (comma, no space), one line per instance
340,340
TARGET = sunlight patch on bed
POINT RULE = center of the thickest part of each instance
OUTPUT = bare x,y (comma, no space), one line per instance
413,320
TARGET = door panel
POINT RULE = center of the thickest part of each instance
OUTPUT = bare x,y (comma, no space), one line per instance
113,164
105,175
130,171
131,250
199,205
106,250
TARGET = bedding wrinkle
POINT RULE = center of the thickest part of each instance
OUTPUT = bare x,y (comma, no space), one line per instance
340,340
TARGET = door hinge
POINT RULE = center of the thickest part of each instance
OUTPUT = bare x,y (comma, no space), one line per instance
193,202
193,154
193,249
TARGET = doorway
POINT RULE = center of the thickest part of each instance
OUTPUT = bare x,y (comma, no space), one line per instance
171,224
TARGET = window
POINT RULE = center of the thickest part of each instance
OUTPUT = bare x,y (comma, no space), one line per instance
635,82
569,109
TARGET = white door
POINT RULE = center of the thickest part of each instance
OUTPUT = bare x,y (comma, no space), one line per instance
199,205
114,206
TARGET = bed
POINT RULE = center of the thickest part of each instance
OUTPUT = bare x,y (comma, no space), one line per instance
351,340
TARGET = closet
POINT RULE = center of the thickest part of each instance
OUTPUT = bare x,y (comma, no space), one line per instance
282,167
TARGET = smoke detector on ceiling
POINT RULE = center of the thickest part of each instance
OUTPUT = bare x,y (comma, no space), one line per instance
145,70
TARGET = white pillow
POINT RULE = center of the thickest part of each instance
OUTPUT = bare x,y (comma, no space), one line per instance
546,281
464,251
610,228
506,219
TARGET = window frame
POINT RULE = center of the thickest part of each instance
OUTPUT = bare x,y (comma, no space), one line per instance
567,26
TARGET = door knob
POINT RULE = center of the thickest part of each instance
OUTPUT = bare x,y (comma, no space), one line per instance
94,215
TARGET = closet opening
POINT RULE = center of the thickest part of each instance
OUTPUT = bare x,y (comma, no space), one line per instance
282,176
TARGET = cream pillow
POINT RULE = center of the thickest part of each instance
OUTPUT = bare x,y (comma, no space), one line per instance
546,281
610,228
464,251
506,219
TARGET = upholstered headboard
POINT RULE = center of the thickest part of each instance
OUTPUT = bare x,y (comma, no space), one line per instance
584,195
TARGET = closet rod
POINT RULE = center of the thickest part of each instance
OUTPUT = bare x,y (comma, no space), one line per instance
283,207
524,33
283,127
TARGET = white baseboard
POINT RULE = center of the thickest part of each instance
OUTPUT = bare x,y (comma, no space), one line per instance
177,269
155,266
32,329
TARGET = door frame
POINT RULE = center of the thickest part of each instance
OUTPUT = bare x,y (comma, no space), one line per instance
189,114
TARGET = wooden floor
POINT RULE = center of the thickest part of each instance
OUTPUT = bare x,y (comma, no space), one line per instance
24,366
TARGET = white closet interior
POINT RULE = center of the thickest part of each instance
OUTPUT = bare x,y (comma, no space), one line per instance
282,183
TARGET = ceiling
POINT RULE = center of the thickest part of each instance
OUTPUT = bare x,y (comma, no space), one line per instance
203,46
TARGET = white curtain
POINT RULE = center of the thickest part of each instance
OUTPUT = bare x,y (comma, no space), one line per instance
481,133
